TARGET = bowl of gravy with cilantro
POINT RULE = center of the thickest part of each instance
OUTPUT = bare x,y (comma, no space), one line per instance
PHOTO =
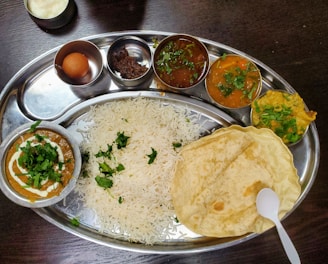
40,163
180,62
233,81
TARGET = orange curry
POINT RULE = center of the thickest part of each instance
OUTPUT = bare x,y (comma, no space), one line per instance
19,176
233,81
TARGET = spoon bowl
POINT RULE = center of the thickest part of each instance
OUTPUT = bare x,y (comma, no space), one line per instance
267,204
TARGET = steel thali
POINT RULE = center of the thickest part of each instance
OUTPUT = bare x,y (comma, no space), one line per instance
36,93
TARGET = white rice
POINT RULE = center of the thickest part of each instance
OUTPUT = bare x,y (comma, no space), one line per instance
146,214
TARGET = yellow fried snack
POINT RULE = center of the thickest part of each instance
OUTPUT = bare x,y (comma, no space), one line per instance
217,179
283,113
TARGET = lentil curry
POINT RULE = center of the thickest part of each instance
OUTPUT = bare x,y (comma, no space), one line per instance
283,113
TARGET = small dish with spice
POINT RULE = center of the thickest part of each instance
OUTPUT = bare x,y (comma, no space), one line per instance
233,81
284,113
129,61
180,62
40,164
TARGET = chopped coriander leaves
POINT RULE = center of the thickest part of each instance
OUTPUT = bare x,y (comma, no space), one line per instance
176,145
75,222
278,114
60,165
106,154
106,169
235,79
285,125
152,156
120,199
85,160
34,126
225,90
85,174
172,55
251,92
121,140
40,161
85,157
120,167
155,42
39,138
104,181
239,82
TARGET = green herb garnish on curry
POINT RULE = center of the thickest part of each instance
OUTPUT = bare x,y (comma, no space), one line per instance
181,62
40,163
283,113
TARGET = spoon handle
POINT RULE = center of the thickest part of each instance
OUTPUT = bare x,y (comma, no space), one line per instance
288,244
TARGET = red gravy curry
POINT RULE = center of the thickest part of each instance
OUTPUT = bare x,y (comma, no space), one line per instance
181,62
19,176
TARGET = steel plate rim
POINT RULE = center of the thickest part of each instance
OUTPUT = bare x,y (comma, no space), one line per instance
138,247
95,38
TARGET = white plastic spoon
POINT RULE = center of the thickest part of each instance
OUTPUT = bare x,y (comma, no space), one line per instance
267,203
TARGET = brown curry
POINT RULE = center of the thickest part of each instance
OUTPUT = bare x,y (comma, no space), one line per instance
29,146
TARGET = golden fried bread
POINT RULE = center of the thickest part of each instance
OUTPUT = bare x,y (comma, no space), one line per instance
217,179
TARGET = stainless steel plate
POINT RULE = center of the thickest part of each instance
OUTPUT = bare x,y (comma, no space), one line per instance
35,92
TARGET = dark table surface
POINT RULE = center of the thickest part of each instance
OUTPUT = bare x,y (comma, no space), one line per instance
291,37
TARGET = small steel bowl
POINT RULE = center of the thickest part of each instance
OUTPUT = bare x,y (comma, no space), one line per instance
55,20
216,73
188,80
91,51
6,186
135,50
253,111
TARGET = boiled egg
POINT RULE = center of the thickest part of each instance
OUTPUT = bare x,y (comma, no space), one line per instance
75,65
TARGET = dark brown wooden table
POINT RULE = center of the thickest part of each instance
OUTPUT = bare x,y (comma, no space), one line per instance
289,36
